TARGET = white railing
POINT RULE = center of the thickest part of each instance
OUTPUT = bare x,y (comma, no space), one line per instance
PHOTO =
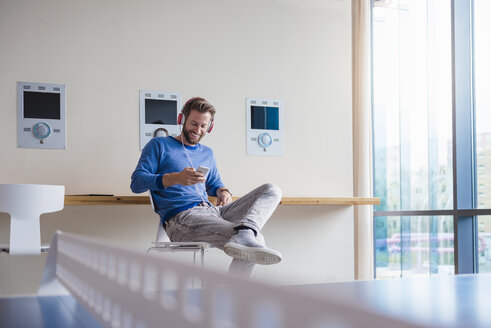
124,288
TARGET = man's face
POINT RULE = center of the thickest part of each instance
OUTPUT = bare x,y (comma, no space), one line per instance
195,127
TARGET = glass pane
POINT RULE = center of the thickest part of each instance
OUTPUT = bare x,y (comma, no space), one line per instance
484,243
412,104
387,247
482,75
417,245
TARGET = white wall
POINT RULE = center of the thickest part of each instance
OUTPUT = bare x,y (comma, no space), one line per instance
224,50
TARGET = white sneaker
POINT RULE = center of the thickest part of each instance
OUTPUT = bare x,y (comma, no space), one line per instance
243,245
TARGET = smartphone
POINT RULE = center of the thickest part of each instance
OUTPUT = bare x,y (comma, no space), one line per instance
203,169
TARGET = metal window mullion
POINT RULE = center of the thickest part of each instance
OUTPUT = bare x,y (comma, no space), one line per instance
463,136
467,212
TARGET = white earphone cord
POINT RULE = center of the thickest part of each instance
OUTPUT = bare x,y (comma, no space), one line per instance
191,162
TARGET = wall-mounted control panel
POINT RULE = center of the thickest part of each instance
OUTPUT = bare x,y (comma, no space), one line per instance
158,114
41,119
264,129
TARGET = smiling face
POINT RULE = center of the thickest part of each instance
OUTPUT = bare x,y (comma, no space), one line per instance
195,127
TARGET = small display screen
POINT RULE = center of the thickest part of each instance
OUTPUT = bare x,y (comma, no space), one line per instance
160,111
265,118
44,105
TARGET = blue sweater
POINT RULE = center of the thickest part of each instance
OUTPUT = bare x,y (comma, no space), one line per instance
167,155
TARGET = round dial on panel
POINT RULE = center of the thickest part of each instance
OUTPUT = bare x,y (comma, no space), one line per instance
265,140
161,132
41,130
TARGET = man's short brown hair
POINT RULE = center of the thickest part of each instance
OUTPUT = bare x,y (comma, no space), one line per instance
198,104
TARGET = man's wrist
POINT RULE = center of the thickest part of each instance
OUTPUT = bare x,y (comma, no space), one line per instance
168,180
221,189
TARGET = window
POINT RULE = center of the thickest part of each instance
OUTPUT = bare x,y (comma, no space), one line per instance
414,245
484,243
482,82
412,124
432,136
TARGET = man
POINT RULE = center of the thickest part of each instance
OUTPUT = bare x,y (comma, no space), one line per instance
167,167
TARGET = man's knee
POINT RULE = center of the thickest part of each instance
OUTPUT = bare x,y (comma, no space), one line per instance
273,189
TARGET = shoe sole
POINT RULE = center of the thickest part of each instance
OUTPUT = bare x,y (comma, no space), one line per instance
253,254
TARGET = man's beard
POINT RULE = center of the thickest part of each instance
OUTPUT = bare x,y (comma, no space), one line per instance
187,136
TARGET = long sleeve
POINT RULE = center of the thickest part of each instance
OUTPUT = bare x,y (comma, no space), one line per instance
145,176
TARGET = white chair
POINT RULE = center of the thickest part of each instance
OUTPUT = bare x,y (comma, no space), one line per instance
25,203
164,244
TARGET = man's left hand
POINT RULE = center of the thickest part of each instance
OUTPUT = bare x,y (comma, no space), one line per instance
223,197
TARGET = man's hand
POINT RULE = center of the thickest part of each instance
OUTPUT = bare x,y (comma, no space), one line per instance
187,177
223,196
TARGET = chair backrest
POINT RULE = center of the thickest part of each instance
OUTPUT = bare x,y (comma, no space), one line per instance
25,203
161,233
31,198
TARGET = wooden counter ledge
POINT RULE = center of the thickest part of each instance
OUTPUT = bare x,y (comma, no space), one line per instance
143,200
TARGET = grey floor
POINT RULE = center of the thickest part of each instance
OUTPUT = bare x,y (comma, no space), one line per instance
438,301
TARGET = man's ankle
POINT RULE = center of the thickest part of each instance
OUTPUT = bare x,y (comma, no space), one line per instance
245,228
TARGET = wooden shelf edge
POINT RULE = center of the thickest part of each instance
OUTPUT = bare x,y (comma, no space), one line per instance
330,201
143,200
106,200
